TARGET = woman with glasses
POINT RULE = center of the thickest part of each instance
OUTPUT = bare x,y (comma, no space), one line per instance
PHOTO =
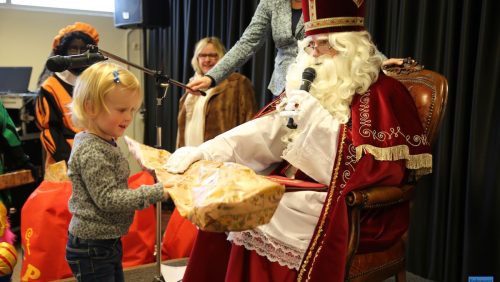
231,103
55,94
283,18
201,118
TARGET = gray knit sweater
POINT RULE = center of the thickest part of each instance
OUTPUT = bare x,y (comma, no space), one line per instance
102,204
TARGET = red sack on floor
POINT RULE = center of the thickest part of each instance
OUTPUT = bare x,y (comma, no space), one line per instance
178,238
44,231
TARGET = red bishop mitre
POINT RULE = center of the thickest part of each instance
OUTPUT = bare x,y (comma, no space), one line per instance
326,16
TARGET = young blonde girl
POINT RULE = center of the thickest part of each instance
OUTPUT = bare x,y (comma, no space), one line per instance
105,99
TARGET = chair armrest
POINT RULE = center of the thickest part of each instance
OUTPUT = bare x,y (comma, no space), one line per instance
376,197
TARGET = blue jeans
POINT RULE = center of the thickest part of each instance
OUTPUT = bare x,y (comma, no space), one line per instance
95,260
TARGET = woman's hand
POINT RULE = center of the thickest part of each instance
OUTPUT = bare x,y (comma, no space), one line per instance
202,83
393,61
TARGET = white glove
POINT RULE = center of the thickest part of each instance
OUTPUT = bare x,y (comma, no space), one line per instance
182,158
297,94
291,104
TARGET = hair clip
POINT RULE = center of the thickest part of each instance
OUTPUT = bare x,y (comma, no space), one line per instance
116,75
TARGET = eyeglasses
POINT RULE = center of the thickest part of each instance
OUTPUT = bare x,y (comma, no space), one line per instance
208,56
321,47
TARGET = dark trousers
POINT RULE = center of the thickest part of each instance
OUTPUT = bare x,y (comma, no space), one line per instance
95,260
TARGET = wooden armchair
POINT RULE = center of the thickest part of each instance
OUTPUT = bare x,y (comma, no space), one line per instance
429,90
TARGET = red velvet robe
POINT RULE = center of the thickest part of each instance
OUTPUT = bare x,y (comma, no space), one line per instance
383,141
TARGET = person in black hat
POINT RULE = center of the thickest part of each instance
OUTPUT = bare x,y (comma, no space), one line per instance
54,96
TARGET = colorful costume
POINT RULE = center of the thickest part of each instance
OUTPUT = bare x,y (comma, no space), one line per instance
12,150
10,143
52,113
8,253
307,237
55,95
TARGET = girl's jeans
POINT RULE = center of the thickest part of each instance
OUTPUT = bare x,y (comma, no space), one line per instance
95,260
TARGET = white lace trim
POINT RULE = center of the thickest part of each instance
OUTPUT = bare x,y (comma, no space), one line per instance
273,249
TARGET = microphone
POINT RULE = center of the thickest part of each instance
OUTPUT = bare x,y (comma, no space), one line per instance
308,76
62,63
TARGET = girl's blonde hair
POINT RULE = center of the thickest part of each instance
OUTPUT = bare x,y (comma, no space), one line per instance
219,48
94,84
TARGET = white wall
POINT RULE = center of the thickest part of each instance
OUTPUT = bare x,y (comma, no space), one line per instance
26,39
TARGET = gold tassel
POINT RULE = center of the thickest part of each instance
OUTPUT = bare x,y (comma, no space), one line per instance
422,162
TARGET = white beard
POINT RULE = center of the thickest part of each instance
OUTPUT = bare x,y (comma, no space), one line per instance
333,86
328,88
352,70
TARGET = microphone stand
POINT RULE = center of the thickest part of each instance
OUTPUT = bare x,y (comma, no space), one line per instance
161,81
160,78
